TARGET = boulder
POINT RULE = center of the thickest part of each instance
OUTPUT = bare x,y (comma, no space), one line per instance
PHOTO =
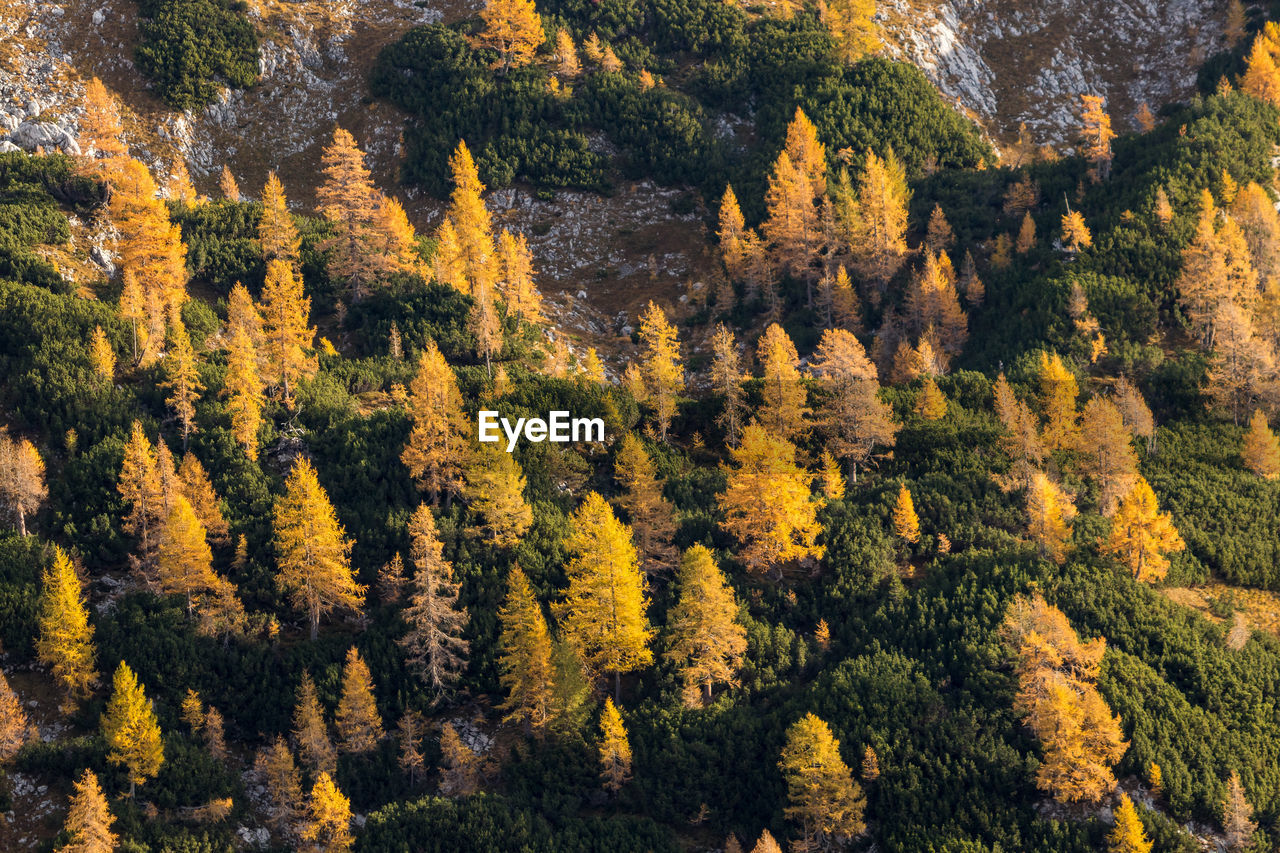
8,122
7,147
31,135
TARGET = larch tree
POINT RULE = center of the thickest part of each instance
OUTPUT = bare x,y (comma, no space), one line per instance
1261,451
214,734
196,488
519,292
1096,134
277,770
906,524
101,130
64,642
1141,534
494,493
852,25
784,396
182,379
831,478
1058,392
227,185
328,825
1075,233
784,528
244,390
1106,452
359,725
1128,834
438,442
130,729
513,29
652,517
525,656
349,200
615,748
287,337
277,232
1026,235
1022,436
14,726
870,769
310,731
1241,362
568,66
472,225
797,181
89,818
766,843
938,234
931,404
704,637
102,356
731,231
932,301
22,485
409,732
975,292
661,365
852,416
434,646
727,381
603,610
184,562
313,555
822,796
1261,77
1260,226
459,765
875,220
1049,512
1237,816
1135,411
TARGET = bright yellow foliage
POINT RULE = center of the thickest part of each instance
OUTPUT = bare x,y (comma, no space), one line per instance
130,728
1058,392
821,794
1261,448
1128,835
65,639
359,725
277,233
513,29
704,638
438,442
660,365
906,524
310,730
495,494
785,399
615,749
525,658
328,827
89,818
1050,512
1141,535
287,339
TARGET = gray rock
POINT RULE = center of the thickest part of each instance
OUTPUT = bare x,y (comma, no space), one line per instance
9,123
7,147
36,134
102,259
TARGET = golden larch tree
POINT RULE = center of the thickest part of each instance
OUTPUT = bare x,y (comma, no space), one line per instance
227,185
783,528
1261,78
1050,512
328,826
615,748
277,232
1075,233
661,365
1261,450
1135,411
184,562
1096,134
603,610
651,516
797,181
852,416
1237,816
1058,392
853,27
732,228
568,66
101,131
1026,235
313,555
727,380
518,290
438,442
822,796
472,224
513,29
65,639
932,301
1259,224
459,765
906,524
525,657
1241,363
102,356
931,404
1128,834
182,379
434,646
310,731
275,766
287,337
784,396
22,486
14,724
830,478
130,729
875,220
358,721
243,387
495,494
704,638
89,818
349,200
1141,534
409,733
1106,452
938,234
766,843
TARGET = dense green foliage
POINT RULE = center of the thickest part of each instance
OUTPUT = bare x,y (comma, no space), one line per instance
191,47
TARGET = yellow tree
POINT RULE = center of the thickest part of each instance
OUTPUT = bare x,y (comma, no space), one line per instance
1058,392
783,528
359,725
409,734
603,610
852,25
1133,408
65,639
244,388
277,232
89,818
932,301
1050,512
568,66
660,365
875,220
785,399
615,748
519,292
726,379
798,180
1240,363
652,517
13,722
906,524
821,794
197,489
1128,835
313,555
275,766
287,339
1026,235
704,638
1260,226
349,200
227,185
22,485
328,826
731,233
102,355
1096,134
1237,816
474,260
101,131
438,442
765,844
434,646
831,478
1261,77
459,770
310,730
183,380
932,403
1141,535
1106,452
495,494
1075,234
525,659
184,562
938,235
852,416
130,729
513,29
1261,448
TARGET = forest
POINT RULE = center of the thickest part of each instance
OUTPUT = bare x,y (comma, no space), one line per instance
940,523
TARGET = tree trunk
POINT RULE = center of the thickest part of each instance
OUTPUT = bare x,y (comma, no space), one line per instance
22,521
315,624
617,686
706,692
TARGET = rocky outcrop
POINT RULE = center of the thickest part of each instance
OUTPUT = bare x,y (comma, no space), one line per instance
49,136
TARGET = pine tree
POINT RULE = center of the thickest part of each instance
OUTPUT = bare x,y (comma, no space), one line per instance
821,794
1261,448
310,730
359,726
65,639
349,200
1106,452
434,645
652,517
459,770
244,388
906,524
785,398
603,611
660,365
438,442
704,637
287,339
313,555
1058,392
528,673
183,560
89,818
275,766
130,729
183,380
513,29
615,748
1141,535
328,827
495,494
782,529
22,485
727,379
852,416
277,232
13,722
1128,836
1050,511
1097,135
409,734
875,221
1237,816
